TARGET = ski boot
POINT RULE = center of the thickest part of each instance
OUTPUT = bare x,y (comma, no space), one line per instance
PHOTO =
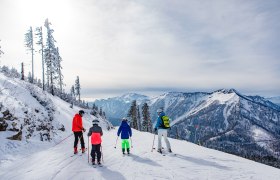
75,150
160,151
83,150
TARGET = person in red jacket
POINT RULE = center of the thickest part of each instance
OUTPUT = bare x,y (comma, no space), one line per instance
95,132
77,128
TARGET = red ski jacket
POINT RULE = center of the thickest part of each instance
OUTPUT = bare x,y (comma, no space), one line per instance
77,124
95,132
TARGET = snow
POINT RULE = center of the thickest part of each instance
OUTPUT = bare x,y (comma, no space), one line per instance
217,97
261,136
191,162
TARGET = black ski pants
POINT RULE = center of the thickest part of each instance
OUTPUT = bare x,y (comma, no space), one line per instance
79,135
95,150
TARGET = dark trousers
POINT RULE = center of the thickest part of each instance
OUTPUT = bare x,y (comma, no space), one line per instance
79,135
95,150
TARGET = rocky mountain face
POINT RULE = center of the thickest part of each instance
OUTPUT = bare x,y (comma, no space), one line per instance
28,113
233,123
226,120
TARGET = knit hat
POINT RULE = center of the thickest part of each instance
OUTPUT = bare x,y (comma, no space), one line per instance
81,112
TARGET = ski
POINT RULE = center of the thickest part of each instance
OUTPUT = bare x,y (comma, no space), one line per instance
126,154
96,165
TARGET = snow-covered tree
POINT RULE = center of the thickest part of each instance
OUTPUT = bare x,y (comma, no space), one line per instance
73,92
58,66
78,88
29,78
39,35
51,57
22,71
30,47
147,122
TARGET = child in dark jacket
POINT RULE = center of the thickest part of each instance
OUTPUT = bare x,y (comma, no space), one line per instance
95,132
126,133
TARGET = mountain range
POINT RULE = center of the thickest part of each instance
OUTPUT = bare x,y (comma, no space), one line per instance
225,119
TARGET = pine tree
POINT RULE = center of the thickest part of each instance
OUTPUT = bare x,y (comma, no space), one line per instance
139,118
22,71
147,122
29,78
72,94
78,88
50,57
58,61
132,114
30,47
39,35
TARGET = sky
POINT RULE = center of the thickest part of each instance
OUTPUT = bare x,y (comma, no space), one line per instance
152,47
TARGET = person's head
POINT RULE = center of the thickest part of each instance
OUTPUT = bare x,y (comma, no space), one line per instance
159,111
95,121
124,119
81,112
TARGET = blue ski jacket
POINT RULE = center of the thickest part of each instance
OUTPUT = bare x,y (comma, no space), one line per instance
124,130
159,124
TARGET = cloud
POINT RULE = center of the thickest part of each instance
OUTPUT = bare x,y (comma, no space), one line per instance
180,45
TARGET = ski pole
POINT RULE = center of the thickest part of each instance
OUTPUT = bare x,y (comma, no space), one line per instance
80,138
88,149
131,142
153,142
102,154
116,142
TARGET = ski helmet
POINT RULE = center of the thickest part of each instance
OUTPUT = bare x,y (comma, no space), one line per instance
159,110
95,121
124,119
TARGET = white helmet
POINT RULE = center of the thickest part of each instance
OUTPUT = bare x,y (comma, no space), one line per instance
159,110
95,121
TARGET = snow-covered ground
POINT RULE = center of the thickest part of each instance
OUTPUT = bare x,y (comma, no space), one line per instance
190,162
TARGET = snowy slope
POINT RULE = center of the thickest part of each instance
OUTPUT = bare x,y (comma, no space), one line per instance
42,119
191,162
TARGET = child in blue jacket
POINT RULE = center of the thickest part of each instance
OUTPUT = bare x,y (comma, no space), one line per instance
126,133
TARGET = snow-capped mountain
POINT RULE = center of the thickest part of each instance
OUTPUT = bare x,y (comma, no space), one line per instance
117,107
275,100
234,123
225,120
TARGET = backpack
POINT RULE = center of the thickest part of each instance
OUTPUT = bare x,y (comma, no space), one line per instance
165,122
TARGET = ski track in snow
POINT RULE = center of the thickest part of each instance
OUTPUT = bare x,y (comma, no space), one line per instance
190,162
